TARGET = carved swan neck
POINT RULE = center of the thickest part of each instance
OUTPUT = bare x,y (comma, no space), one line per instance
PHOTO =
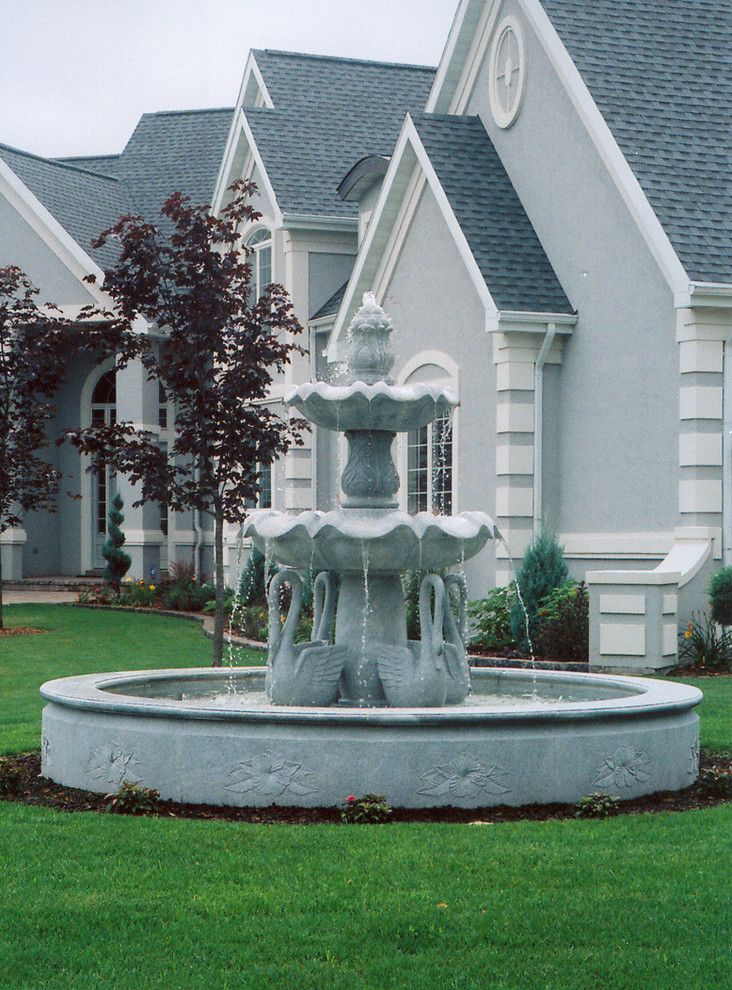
431,622
454,633
277,631
323,607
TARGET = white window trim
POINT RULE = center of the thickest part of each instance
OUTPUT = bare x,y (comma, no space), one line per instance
255,252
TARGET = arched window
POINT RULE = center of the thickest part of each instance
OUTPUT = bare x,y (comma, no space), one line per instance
430,451
260,245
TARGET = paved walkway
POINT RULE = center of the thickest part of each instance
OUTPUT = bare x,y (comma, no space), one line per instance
30,596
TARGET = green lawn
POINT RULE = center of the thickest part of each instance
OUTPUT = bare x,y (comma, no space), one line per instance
82,641
90,901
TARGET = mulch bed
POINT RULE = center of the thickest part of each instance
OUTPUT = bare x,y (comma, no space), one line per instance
39,791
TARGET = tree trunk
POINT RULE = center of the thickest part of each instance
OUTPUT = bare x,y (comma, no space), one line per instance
1,589
218,637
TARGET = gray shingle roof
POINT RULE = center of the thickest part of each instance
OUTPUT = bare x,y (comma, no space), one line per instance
313,82
104,164
661,75
84,203
499,233
328,114
180,151
168,152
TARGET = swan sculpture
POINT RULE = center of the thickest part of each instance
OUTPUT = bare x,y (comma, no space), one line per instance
302,674
456,660
323,607
414,676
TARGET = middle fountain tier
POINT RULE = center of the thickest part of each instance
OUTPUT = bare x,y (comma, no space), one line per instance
369,543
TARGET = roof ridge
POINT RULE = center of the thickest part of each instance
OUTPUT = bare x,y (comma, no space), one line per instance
60,163
340,58
174,113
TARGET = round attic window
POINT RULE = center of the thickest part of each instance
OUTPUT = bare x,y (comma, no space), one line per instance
507,72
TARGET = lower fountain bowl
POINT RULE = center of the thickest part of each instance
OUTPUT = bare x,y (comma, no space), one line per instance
521,738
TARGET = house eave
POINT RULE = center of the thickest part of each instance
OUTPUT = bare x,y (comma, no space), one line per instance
707,295
312,221
527,322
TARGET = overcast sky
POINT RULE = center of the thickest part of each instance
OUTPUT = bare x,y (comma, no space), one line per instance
76,75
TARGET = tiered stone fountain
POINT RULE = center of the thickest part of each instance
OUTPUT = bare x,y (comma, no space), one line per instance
370,543
361,709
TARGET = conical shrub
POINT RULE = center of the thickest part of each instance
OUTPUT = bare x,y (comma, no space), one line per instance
118,562
542,570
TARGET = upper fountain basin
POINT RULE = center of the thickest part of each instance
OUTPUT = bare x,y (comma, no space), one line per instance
358,406
350,540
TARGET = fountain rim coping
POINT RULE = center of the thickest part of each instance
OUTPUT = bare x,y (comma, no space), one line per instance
89,692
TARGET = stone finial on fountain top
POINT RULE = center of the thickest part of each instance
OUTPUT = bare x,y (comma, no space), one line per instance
371,357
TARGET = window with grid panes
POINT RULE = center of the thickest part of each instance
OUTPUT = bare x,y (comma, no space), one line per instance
430,468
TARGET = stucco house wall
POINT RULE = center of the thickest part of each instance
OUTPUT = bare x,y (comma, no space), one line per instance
619,373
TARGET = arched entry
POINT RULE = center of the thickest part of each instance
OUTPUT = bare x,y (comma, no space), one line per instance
103,413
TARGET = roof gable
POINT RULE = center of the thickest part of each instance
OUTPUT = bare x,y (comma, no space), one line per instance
499,233
84,203
327,114
505,260
661,75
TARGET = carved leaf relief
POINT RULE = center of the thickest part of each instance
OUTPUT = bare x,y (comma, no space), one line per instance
465,777
113,765
624,768
270,775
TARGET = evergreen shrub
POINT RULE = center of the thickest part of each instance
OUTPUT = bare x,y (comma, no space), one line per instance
720,596
542,570
118,562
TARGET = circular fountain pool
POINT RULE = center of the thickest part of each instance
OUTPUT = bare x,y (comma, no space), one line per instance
521,738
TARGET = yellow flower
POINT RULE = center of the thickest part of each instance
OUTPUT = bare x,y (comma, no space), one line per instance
688,632
152,587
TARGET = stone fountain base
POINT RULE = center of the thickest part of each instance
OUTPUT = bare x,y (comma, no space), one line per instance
624,736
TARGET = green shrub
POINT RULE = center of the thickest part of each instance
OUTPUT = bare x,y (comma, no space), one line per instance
597,805
704,643
720,596
188,596
251,622
367,810
542,570
118,562
564,624
131,799
491,620
253,586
